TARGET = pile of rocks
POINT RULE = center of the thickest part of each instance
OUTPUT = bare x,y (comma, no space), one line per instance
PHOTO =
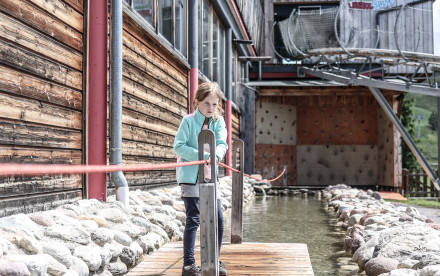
96,238
384,239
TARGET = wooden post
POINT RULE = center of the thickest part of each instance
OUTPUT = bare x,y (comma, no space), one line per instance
208,208
405,181
237,194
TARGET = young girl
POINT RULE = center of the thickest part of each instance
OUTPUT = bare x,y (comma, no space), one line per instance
207,115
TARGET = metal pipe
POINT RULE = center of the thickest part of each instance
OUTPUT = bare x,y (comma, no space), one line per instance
193,50
118,177
406,137
97,92
228,94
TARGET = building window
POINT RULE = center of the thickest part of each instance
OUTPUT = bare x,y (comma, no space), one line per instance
221,40
205,39
165,19
180,34
215,48
145,9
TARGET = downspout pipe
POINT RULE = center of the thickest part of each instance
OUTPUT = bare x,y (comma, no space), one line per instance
193,50
117,178
97,101
228,94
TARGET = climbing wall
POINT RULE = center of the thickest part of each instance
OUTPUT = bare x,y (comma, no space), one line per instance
326,140
337,139
275,140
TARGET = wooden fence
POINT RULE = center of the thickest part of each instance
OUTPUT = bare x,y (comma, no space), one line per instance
416,183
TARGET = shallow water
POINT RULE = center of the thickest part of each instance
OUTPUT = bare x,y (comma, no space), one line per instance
296,220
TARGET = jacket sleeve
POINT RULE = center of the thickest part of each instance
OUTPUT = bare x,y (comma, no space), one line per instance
220,134
181,141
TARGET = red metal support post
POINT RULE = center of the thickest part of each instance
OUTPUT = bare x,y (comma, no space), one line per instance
228,110
97,92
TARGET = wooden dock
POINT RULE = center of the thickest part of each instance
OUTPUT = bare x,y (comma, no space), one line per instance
240,259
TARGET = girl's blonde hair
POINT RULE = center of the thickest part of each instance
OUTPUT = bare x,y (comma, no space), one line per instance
204,90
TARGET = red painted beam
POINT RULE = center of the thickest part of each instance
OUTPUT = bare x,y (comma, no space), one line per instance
193,85
97,115
228,109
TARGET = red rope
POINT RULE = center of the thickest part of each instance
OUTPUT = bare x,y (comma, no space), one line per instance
258,179
9,169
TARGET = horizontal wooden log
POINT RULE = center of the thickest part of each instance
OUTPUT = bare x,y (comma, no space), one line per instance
156,60
39,202
27,185
76,4
26,110
136,75
21,84
39,156
177,106
43,22
141,106
18,134
64,12
144,135
159,73
13,30
140,120
149,150
45,68
150,177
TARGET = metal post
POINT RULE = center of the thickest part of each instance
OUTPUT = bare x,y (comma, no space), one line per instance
237,193
389,111
260,70
208,209
285,176
193,50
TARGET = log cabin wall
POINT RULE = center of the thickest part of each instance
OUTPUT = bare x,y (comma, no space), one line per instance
41,99
327,139
155,98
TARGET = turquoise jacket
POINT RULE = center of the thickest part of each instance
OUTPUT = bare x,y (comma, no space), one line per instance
186,144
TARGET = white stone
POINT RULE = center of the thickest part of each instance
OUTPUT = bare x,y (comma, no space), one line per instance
58,251
91,256
72,234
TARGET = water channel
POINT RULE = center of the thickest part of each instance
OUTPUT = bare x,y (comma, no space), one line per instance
284,219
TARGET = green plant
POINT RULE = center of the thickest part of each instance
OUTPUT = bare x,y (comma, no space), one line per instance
433,120
409,161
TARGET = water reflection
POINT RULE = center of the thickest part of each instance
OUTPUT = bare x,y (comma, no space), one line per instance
294,220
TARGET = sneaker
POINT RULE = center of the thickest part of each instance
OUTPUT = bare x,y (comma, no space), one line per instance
191,270
222,269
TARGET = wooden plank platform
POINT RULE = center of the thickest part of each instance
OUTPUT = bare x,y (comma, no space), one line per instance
240,259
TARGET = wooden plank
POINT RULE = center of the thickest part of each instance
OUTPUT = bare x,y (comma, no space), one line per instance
144,107
136,75
161,72
27,110
172,102
39,156
77,4
62,11
39,202
28,185
140,120
25,85
19,134
240,259
135,133
13,30
150,177
30,62
43,22
144,149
